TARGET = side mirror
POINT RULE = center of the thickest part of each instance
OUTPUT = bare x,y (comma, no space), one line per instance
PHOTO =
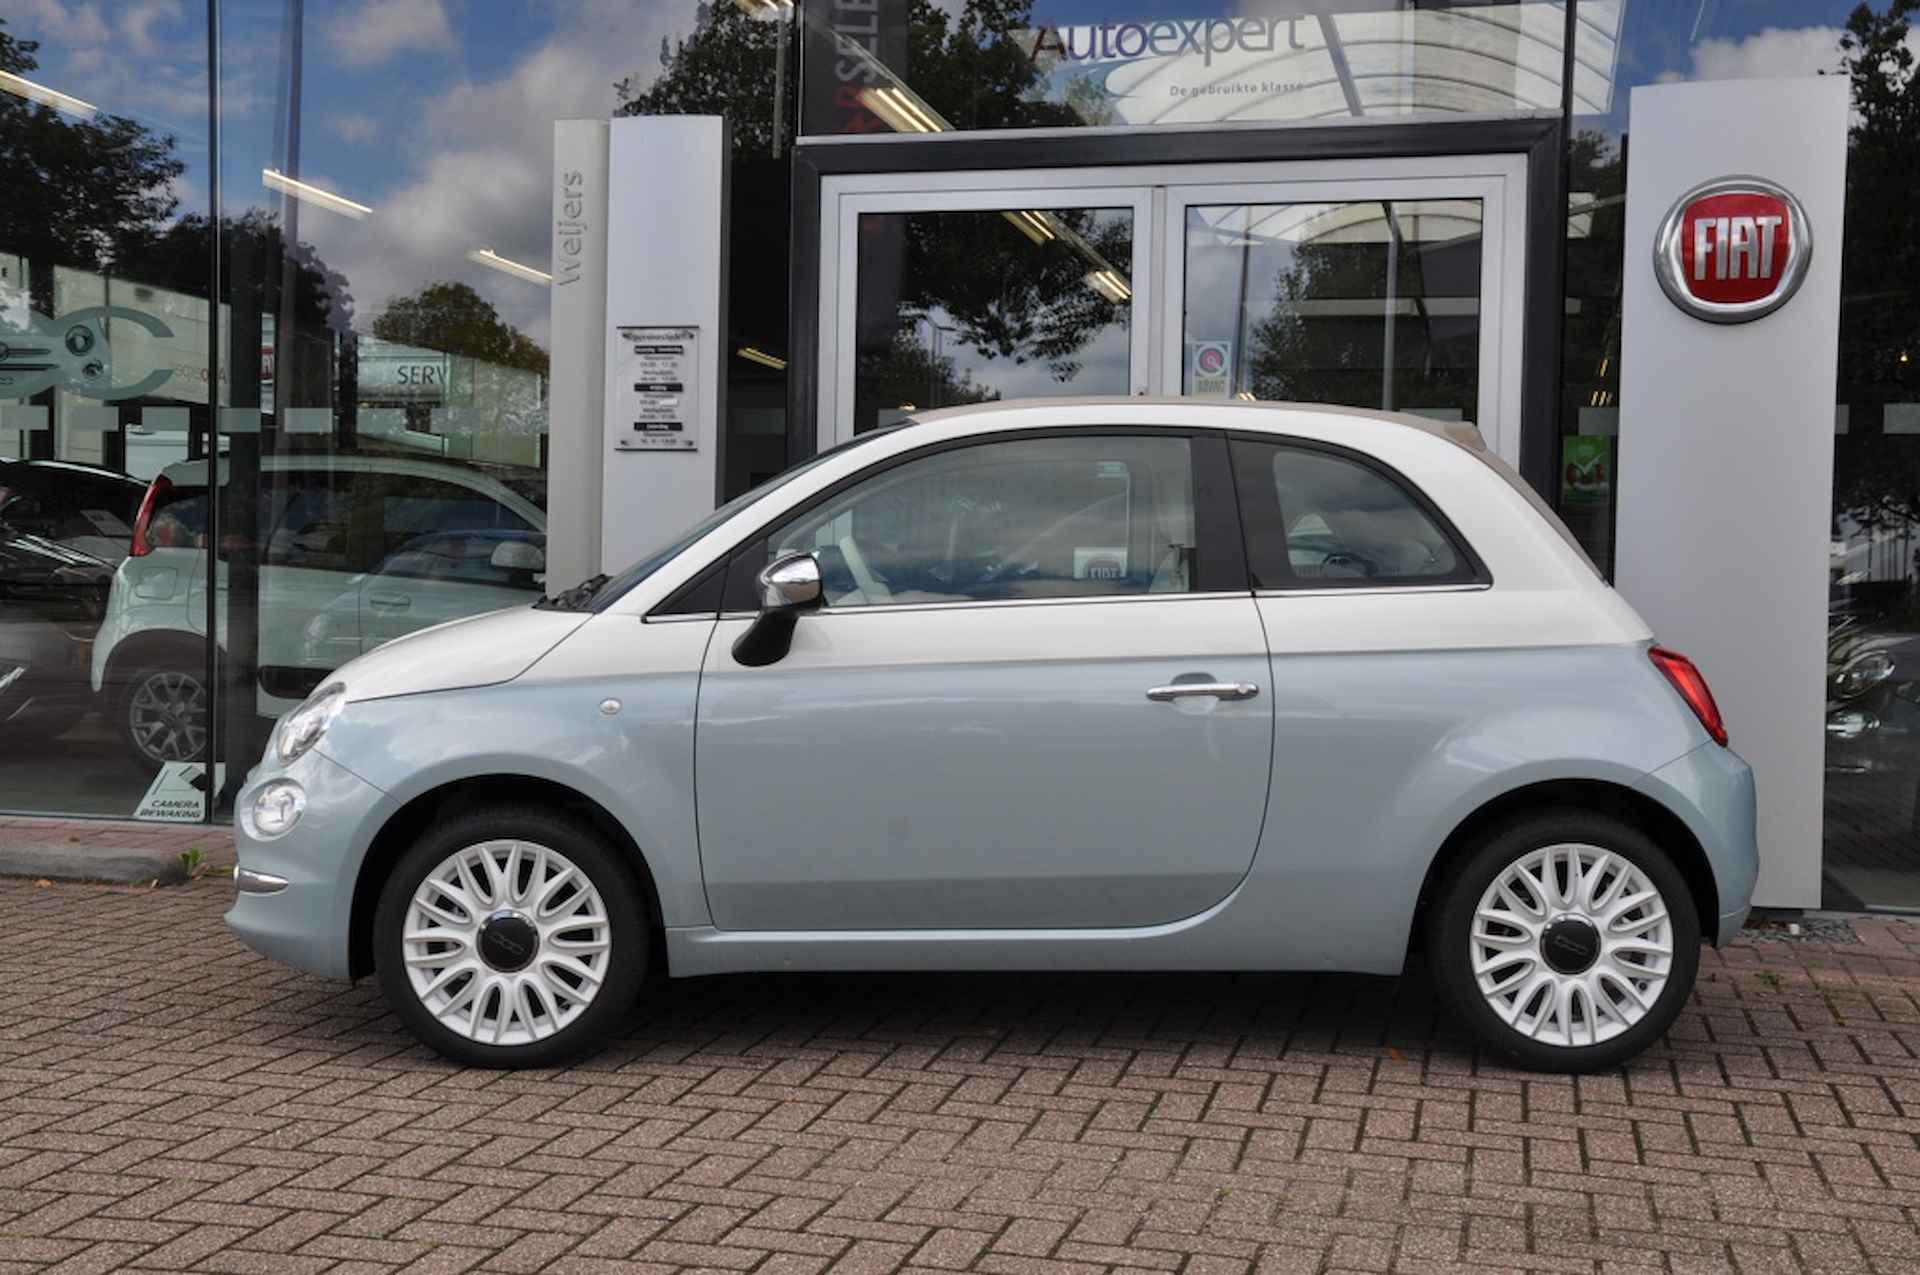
518,555
788,585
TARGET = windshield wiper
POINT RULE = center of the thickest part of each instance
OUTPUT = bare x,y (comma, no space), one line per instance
576,598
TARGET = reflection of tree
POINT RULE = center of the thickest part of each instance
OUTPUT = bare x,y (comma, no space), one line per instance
1295,354
906,372
1877,477
454,319
726,67
1010,297
76,190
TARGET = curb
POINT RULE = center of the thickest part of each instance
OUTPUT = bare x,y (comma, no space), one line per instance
78,861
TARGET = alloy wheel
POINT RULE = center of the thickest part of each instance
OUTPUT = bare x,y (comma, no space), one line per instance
506,942
1571,945
167,716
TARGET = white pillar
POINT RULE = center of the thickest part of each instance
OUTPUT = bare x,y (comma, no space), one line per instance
1726,445
576,372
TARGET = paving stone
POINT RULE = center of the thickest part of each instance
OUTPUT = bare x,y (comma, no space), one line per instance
171,1102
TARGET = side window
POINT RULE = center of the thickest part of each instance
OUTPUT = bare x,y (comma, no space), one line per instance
412,507
1032,518
314,524
469,557
1316,519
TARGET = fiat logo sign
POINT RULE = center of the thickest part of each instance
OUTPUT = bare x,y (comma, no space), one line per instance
1733,249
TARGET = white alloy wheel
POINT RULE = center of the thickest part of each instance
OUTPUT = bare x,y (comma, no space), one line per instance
1571,945
506,942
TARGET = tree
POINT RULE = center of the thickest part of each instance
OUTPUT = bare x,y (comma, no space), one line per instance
78,191
453,318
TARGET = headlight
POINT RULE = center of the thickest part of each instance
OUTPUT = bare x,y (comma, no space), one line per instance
305,725
275,808
1861,674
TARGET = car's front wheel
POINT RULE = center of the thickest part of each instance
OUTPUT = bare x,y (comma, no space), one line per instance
511,937
1568,940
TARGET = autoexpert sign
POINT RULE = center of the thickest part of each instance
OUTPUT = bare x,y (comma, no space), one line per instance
1733,249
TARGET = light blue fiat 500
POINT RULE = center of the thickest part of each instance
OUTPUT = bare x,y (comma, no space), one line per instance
1113,685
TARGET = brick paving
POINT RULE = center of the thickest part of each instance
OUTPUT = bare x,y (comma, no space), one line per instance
168,1101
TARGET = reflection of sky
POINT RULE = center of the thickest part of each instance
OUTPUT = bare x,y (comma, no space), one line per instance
438,113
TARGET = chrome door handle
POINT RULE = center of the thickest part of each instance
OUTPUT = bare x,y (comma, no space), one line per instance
1190,690
390,601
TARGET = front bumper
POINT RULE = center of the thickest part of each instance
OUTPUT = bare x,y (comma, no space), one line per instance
295,893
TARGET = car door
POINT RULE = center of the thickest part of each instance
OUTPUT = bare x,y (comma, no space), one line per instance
1032,699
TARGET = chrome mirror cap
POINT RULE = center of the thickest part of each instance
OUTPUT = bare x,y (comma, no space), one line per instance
790,583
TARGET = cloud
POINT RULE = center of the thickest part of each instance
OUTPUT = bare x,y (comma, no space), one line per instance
377,30
1775,53
353,126
137,20
53,22
485,174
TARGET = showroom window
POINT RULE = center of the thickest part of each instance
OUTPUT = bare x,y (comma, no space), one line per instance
301,345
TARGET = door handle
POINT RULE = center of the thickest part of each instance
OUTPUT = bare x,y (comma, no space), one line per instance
389,601
1190,690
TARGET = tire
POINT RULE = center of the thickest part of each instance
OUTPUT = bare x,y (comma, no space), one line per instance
514,983
1547,993
161,714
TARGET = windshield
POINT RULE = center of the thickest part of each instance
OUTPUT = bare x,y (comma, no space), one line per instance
607,590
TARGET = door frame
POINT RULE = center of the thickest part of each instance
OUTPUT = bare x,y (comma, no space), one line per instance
1017,157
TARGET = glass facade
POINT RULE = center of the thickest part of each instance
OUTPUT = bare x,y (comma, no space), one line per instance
275,358
274,312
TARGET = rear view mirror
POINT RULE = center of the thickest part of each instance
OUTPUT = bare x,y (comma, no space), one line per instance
788,585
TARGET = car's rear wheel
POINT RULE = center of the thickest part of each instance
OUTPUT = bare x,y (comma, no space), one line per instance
1568,940
511,937
163,714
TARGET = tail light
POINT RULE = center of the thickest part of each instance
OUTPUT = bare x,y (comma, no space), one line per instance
141,546
1693,688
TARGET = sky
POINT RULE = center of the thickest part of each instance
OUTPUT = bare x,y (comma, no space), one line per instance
438,113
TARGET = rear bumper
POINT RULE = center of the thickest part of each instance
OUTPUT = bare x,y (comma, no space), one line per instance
1711,790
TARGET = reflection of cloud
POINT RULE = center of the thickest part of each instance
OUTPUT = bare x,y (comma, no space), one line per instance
354,127
136,23
374,31
485,174
53,22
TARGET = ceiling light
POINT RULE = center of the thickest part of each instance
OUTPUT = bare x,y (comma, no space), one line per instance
274,179
1035,226
1110,285
752,355
45,96
903,111
908,407
764,8
493,260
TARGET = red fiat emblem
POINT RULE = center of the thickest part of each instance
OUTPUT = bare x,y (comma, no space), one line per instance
1733,249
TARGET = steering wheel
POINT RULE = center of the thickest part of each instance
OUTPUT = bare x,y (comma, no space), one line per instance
1365,567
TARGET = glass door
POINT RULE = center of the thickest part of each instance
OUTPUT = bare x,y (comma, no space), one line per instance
1396,291
936,298
1392,284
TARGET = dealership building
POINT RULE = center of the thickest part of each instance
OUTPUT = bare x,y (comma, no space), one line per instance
441,287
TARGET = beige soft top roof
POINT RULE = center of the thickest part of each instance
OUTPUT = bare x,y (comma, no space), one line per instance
1462,433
